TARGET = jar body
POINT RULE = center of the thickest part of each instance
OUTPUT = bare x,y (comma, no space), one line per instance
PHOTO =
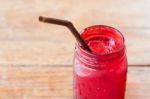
107,83
102,77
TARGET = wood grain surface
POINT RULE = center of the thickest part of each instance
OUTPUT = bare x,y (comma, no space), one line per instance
55,82
33,55
24,40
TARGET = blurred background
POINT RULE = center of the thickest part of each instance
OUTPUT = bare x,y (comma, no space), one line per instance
26,41
36,58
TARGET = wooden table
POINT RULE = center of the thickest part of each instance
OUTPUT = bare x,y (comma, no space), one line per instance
55,82
29,64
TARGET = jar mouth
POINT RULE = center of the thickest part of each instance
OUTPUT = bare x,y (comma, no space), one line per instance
103,54
102,60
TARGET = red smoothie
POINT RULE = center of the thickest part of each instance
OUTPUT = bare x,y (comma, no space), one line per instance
100,74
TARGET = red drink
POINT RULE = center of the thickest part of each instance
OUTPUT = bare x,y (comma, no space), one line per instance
102,73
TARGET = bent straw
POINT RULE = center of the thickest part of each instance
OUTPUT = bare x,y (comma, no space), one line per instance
70,26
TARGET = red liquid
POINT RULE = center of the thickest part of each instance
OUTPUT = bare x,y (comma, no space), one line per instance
102,73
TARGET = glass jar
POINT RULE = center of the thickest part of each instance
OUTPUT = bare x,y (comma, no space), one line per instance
100,76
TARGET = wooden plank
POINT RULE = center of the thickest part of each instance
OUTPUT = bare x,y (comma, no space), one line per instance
24,40
28,48
124,13
47,82
35,83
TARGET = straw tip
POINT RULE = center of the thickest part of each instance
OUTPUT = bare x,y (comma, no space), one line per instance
41,18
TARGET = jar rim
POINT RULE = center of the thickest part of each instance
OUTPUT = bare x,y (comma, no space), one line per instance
104,54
